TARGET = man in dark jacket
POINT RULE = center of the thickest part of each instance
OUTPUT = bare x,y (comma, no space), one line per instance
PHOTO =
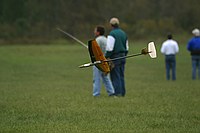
117,46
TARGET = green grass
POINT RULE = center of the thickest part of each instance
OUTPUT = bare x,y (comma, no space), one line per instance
43,90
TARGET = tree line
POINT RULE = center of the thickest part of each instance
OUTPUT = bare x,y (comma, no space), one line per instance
37,20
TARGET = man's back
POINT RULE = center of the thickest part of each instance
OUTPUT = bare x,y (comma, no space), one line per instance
194,44
169,47
102,41
120,40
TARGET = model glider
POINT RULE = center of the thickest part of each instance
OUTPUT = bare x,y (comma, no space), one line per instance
98,59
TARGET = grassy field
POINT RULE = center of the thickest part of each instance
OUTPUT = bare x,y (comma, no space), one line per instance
42,90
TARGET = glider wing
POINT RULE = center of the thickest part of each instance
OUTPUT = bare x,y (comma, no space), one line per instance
97,55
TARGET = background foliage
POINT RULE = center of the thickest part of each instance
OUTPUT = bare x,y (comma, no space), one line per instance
36,20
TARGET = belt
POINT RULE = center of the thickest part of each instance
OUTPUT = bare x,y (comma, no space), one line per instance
170,55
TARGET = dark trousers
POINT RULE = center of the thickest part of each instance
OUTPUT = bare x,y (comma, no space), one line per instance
117,77
195,66
170,62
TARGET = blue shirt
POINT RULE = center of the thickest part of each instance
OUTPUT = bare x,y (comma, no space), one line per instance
194,44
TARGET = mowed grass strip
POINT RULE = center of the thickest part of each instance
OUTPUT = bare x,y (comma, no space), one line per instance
43,90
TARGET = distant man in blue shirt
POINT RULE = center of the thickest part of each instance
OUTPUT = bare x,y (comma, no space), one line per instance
194,48
170,49
117,46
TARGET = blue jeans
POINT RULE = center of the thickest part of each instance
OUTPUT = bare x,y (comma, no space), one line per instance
170,62
97,76
195,66
117,76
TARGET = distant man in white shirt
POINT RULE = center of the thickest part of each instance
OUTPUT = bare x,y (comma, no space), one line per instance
170,49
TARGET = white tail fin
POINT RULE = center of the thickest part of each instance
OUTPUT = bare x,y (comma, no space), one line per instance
152,50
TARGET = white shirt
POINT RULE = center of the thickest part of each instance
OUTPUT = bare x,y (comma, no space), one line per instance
169,47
